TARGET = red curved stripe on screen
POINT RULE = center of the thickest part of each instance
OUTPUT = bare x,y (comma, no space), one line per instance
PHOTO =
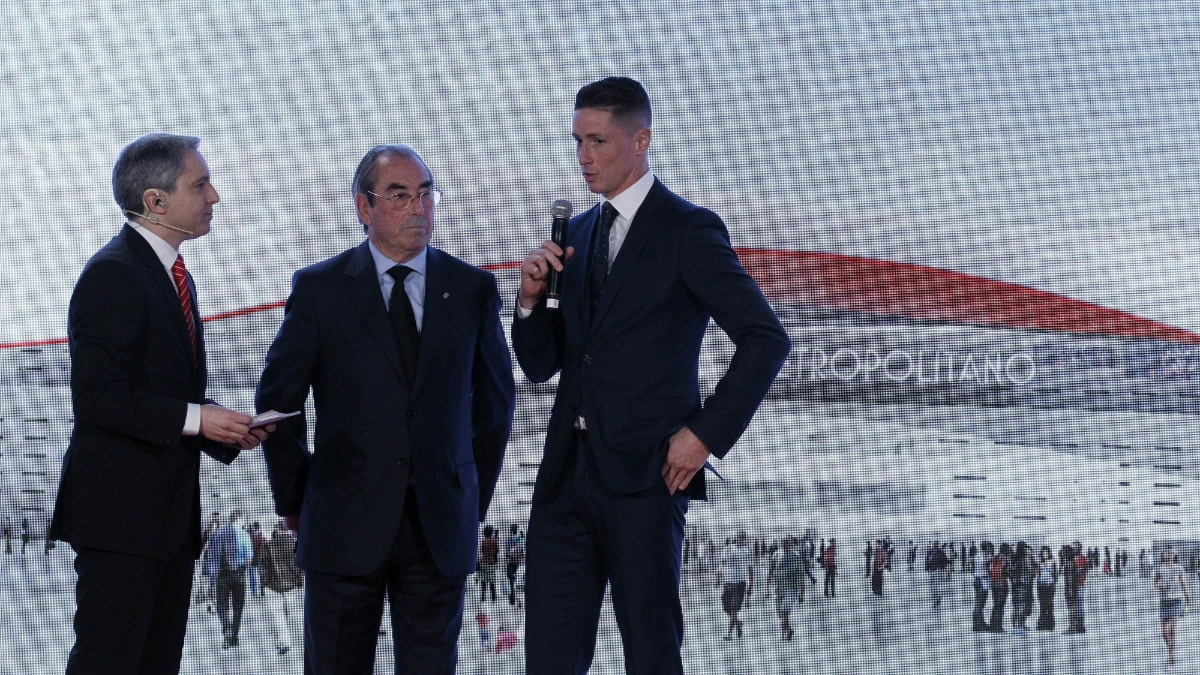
494,267
851,283
33,343
244,311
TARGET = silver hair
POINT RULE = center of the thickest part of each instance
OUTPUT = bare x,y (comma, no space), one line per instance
152,162
368,167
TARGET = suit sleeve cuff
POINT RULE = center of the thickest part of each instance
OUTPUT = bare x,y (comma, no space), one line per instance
523,313
191,424
710,437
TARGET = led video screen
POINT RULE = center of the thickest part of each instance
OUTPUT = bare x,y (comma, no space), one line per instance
975,221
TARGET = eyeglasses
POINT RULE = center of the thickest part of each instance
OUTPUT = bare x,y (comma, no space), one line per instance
402,200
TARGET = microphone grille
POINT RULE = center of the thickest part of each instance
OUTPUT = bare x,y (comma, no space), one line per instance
561,208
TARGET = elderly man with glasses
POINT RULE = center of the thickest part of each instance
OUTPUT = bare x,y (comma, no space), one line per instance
412,382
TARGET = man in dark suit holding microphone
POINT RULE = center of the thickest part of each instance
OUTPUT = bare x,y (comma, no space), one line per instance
627,433
403,349
129,497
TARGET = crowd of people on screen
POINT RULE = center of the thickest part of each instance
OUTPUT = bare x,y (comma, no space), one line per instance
241,561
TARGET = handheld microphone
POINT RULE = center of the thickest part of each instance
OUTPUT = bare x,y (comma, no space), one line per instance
156,221
561,210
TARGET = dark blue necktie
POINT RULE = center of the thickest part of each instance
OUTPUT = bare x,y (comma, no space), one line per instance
404,321
598,275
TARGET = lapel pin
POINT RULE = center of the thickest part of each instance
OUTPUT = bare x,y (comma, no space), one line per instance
445,295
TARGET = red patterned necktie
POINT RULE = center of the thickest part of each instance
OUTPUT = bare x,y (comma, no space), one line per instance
179,274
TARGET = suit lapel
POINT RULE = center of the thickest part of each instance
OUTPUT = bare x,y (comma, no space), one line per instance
575,275
639,231
165,285
437,295
364,292
201,356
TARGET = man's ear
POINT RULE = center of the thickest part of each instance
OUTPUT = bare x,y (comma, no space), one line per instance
153,201
641,140
363,207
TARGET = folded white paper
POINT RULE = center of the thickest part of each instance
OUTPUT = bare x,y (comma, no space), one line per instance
270,417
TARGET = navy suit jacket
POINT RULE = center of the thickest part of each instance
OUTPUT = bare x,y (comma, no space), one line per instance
632,371
374,432
130,480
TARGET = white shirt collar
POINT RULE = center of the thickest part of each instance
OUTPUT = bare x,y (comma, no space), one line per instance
165,252
630,200
384,263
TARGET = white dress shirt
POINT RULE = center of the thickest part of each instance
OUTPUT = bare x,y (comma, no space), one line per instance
167,255
414,283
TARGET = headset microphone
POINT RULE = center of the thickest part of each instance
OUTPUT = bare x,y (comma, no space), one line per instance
156,221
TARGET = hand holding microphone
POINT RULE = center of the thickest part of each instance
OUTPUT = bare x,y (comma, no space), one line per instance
546,259
561,211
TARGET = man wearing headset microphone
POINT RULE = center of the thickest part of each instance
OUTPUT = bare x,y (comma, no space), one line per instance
129,495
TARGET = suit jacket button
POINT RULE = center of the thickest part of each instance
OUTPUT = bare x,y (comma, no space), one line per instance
412,414
587,359
402,462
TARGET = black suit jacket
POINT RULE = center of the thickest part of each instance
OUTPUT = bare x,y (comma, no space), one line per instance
632,371
130,480
374,431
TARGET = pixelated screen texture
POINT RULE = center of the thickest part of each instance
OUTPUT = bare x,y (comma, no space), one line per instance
976,221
